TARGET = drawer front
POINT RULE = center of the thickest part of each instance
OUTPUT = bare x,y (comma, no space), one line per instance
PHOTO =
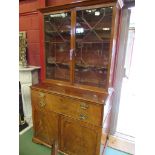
78,109
75,108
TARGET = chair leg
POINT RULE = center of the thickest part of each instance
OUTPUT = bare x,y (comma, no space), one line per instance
54,150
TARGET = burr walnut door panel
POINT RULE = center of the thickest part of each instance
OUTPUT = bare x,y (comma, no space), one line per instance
45,122
45,126
78,138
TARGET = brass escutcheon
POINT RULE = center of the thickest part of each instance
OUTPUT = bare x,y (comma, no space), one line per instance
83,117
42,101
84,106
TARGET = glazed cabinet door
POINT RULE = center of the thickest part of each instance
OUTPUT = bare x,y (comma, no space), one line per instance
78,138
93,41
45,122
57,27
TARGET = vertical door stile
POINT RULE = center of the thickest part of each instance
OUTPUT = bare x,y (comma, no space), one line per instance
42,46
111,49
72,50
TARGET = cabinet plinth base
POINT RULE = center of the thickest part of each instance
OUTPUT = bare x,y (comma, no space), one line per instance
38,141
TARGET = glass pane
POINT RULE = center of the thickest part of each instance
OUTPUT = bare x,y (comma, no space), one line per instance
57,45
93,32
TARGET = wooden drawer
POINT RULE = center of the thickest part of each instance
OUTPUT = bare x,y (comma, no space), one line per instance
78,109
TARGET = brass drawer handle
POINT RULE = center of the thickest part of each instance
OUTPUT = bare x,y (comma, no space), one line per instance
84,106
42,101
83,117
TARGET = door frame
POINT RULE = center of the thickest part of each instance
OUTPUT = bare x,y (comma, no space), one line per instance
119,68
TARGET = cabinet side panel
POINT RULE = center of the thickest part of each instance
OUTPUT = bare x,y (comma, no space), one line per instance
107,115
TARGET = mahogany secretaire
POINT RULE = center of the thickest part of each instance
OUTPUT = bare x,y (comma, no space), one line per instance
72,105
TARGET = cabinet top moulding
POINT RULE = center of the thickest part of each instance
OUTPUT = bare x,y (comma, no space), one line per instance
80,3
97,97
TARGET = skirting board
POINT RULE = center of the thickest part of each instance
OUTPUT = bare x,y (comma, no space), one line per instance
26,129
119,143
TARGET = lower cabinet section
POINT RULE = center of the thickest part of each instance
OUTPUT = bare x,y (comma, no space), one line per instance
78,138
75,135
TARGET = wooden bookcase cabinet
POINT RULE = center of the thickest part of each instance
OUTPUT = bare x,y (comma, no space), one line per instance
73,103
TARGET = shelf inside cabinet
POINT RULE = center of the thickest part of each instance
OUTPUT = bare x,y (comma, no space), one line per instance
57,42
85,30
94,42
90,67
90,42
62,31
59,64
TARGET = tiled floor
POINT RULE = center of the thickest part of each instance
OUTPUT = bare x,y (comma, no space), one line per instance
27,147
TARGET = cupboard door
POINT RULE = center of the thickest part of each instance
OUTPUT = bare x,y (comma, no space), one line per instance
57,29
93,39
45,122
78,138
45,126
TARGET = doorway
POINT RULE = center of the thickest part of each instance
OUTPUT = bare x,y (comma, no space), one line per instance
126,115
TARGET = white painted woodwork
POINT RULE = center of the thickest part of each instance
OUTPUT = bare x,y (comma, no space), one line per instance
28,77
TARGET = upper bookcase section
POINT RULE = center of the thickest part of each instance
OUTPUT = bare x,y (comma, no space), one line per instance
80,44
